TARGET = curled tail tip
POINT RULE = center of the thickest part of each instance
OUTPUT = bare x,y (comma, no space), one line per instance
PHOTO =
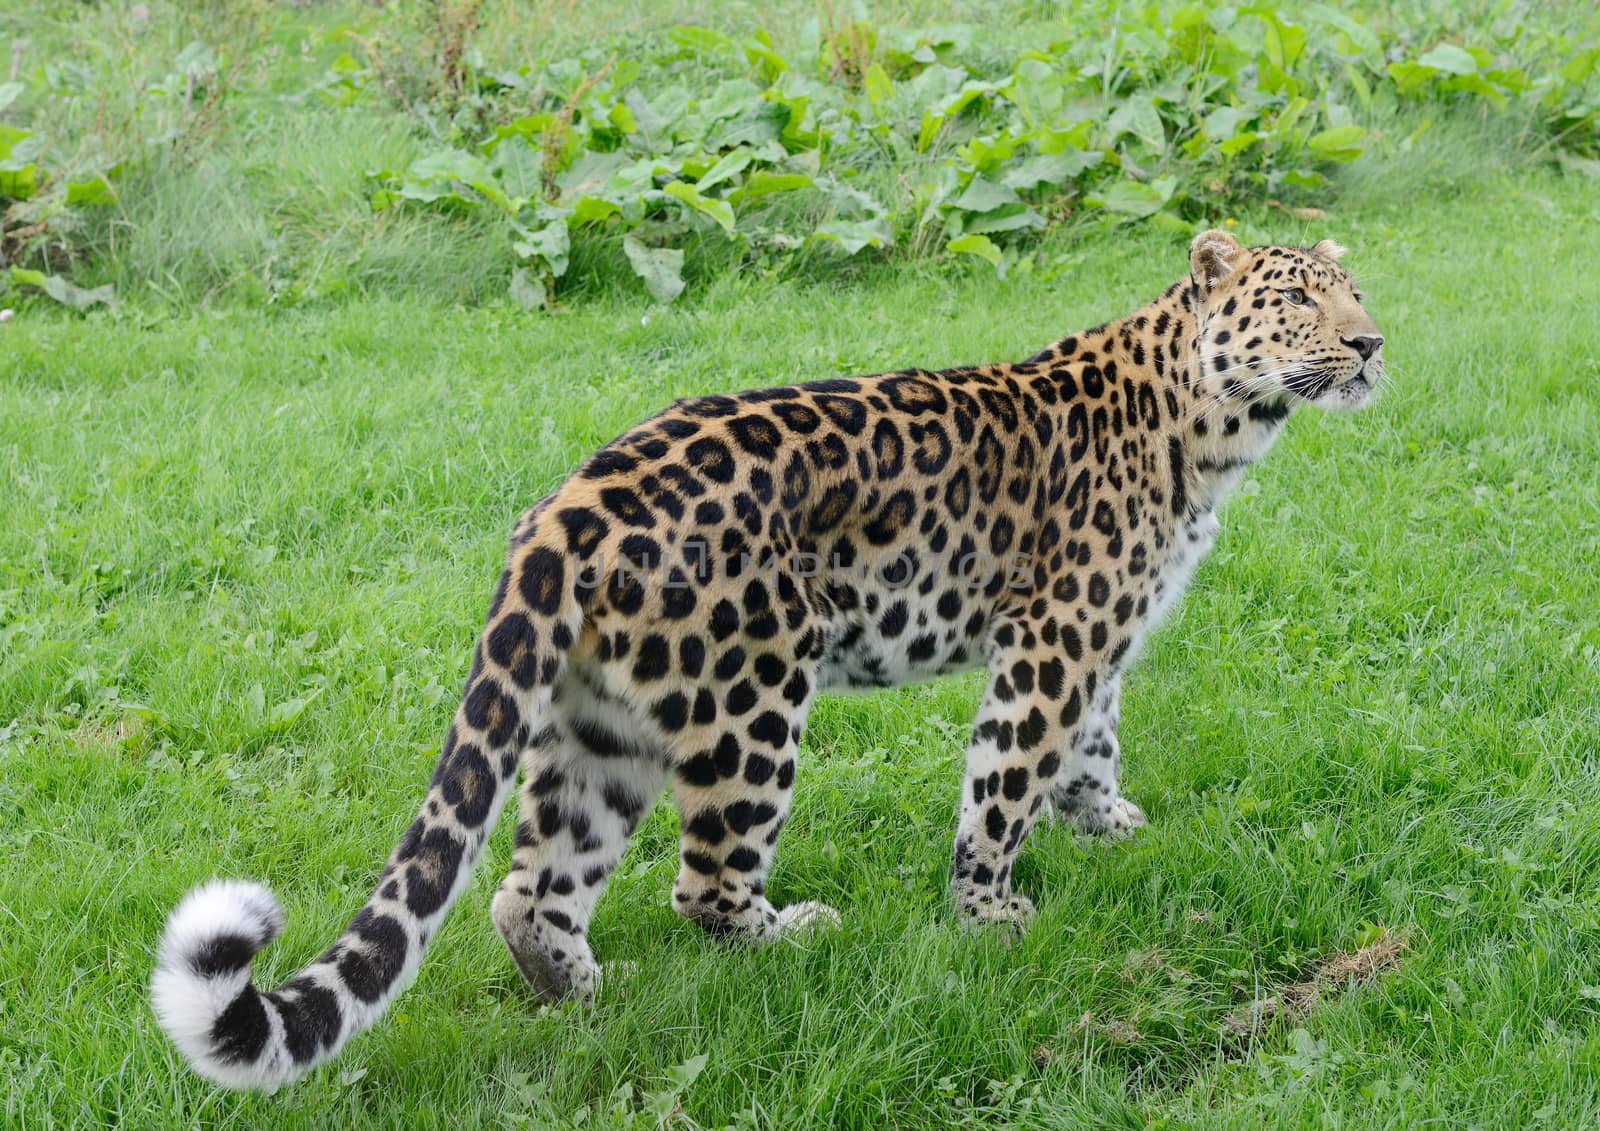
202,975
218,927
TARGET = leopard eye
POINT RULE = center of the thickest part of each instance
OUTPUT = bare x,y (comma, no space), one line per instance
1294,296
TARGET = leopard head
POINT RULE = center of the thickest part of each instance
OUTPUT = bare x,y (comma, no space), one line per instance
1283,323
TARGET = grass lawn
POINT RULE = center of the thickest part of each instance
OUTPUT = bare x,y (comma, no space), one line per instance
244,555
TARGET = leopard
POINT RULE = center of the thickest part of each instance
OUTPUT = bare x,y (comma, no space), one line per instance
669,613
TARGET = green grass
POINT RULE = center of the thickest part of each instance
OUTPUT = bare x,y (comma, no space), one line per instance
1376,712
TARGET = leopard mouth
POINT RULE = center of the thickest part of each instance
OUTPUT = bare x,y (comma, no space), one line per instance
1352,393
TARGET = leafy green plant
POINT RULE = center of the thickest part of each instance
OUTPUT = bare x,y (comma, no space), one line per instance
899,138
859,139
39,204
48,188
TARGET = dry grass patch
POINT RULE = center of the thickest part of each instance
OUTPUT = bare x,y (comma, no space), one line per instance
1333,976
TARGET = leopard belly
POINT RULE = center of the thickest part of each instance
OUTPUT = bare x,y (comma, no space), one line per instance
861,656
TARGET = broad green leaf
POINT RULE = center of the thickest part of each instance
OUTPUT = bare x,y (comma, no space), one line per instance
1409,78
1341,143
623,118
850,198
428,174
1283,42
95,190
550,243
1511,79
529,126
1358,83
1224,121
19,175
1477,84
1581,65
519,168
660,1105
1238,143
759,53
1364,38
1071,138
9,93
26,277
1138,117
935,117
1285,128
878,85
984,195
17,144
424,193
982,247
731,165
589,172
702,39
1050,168
1274,79
853,235
67,294
528,291
587,209
18,181
970,92
761,183
756,126
1167,222
988,152
1038,89
686,1073
624,73
649,121
727,100
1011,218
1137,199
719,210
661,268
1451,59
283,715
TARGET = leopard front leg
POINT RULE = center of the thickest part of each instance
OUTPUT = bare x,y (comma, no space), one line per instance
1031,711
1086,792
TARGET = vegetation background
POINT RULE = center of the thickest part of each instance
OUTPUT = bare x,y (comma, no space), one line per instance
308,300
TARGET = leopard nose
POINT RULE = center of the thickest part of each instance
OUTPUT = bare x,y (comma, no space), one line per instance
1366,345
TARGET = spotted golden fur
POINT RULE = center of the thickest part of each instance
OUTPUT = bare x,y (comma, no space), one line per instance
668,613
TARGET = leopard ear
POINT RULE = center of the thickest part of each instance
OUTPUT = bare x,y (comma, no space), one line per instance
1213,256
1329,249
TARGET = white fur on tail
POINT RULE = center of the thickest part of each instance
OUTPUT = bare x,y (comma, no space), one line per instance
196,980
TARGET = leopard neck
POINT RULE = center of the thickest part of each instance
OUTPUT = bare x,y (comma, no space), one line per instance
1216,425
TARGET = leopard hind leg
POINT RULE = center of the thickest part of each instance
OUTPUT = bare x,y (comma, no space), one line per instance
587,780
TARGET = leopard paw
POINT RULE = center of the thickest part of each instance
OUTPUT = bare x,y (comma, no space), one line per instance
1116,817
1011,914
807,915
